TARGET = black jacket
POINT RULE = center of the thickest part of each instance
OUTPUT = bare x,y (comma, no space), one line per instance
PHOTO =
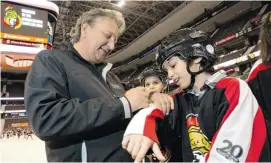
70,101
259,82
222,123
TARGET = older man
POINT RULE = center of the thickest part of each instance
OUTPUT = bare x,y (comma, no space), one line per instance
72,99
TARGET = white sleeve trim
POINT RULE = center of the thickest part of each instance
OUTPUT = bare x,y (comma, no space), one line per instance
106,69
136,125
84,153
126,106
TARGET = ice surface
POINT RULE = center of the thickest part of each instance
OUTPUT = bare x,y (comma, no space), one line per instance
22,150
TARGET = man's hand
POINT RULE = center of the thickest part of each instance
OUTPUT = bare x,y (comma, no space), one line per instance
138,98
138,146
163,102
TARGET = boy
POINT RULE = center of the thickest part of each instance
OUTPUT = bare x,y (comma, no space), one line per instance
216,118
153,80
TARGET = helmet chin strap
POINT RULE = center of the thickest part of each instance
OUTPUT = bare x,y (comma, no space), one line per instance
192,82
193,76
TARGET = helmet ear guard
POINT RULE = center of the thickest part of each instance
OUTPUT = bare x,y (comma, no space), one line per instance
210,49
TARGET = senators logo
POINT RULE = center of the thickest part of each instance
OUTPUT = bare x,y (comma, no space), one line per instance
11,18
199,143
152,158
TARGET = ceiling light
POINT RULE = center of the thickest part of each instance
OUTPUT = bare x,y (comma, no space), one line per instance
121,3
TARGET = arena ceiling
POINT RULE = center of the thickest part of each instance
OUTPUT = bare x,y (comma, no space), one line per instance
208,25
140,16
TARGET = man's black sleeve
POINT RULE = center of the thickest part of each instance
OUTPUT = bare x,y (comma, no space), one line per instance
53,113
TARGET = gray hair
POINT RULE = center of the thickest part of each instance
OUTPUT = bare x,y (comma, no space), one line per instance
90,17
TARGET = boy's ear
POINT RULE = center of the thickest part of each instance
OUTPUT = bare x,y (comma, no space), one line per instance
195,65
197,61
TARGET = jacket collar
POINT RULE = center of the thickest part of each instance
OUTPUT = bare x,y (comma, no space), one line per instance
210,83
215,78
101,67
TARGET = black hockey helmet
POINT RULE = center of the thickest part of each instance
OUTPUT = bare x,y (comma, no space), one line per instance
152,72
188,44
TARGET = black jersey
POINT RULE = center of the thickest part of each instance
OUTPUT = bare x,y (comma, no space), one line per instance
221,123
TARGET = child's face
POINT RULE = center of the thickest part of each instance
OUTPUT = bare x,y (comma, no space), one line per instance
154,84
176,69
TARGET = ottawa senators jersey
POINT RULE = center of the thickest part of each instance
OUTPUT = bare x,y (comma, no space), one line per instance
222,123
